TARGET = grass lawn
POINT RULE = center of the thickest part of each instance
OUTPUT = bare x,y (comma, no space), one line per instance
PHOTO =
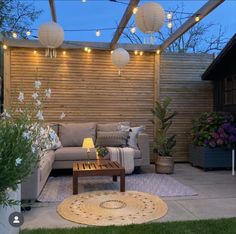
220,226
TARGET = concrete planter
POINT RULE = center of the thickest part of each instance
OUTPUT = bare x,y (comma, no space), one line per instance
164,165
5,227
208,158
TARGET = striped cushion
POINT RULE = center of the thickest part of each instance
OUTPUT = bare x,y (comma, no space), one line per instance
115,138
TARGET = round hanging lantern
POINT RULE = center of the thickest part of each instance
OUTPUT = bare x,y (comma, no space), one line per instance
51,35
120,57
150,17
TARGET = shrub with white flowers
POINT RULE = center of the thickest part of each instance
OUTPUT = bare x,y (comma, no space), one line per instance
20,144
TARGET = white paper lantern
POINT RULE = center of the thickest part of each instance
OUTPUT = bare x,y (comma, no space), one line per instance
51,35
120,57
150,17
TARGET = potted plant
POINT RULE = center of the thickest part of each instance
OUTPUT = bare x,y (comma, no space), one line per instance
20,146
164,142
213,137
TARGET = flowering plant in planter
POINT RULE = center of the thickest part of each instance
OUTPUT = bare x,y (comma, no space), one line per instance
21,142
214,129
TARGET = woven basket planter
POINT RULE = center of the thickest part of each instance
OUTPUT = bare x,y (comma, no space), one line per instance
164,165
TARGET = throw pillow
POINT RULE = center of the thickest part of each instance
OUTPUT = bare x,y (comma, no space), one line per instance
133,134
55,143
110,127
112,139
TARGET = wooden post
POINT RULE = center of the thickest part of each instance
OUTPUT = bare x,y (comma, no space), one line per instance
53,10
1,78
7,79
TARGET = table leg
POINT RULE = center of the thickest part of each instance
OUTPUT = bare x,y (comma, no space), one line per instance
122,181
75,183
115,178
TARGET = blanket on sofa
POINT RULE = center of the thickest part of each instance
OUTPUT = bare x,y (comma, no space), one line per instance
124,156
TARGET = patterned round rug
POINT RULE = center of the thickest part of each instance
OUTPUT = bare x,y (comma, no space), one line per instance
102,208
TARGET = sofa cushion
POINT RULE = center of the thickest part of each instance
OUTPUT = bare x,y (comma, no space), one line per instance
74,154
137,155
73,134
109,127
111,139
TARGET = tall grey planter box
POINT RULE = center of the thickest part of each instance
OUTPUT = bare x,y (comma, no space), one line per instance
208,158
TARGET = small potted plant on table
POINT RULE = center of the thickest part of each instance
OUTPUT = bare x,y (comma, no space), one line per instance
213,137
164,143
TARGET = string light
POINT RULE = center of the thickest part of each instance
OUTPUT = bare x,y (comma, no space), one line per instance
169,15
135,10
64,52
28,33
4,47
86,49
141,53
112,51
35,51
14,35
197,18
170,25
98,33
89,50
133,30
136,52
158,51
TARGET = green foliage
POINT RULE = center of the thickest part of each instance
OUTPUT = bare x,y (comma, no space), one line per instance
17,159
102,151
17,16
163,142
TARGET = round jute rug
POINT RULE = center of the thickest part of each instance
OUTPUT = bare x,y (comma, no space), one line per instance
102,208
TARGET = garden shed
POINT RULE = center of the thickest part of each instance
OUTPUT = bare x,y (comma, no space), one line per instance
223,74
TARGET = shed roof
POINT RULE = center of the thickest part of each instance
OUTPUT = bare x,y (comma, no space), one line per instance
225,62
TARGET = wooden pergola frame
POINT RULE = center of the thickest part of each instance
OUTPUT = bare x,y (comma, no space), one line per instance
208,7
202,12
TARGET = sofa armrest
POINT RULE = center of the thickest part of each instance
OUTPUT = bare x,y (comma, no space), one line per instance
143,144
29,187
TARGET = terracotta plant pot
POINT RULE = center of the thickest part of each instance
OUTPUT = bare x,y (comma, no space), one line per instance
164,165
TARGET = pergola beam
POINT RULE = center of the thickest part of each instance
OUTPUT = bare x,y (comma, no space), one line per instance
53,10
124,21
202,12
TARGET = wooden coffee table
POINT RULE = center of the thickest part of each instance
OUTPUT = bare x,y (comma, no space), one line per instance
98,168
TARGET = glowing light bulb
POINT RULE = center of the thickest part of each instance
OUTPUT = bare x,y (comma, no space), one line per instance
89,50
158,51
64,52
86,49
98,33
136,52
28,33
4,47
197,18
112,51
169,16
135,10
14,35
170,25
35,51
141,53
133,30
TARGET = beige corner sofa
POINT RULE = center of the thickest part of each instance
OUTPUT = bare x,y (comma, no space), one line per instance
71,136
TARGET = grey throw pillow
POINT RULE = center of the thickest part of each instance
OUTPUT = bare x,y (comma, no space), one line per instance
112,139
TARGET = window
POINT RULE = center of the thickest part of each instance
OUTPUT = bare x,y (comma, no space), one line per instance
230,90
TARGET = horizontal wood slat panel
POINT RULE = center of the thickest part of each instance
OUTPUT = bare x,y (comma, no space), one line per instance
87,86
181,80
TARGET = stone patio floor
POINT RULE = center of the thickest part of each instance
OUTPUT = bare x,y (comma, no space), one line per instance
216,199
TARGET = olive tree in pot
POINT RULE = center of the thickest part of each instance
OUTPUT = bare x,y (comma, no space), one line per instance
164,142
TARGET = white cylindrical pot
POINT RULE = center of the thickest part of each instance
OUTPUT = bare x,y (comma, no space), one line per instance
5,227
